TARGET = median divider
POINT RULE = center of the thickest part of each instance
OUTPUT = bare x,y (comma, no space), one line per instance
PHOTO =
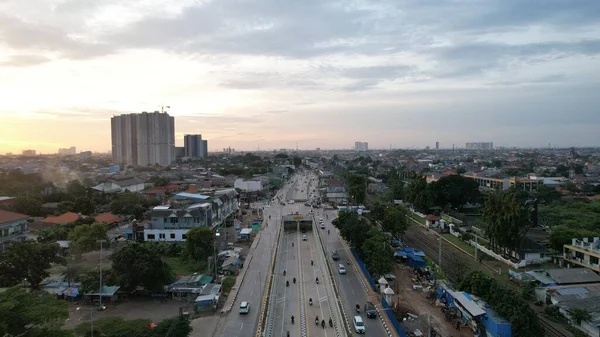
266,303
340,306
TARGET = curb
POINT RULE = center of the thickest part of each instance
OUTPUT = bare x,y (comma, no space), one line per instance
268,288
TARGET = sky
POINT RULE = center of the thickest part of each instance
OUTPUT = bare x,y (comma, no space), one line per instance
270,74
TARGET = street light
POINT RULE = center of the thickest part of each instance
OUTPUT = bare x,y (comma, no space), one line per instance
91,318
217,235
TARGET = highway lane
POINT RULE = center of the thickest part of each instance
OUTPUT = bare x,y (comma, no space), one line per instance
351,288
286,297
252,288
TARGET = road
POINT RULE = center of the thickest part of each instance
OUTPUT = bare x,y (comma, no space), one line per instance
252,287
351,288
304,261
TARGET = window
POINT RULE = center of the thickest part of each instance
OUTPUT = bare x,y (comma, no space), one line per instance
161,235
172,235
151,237
593,260
174,220
183,236
165,220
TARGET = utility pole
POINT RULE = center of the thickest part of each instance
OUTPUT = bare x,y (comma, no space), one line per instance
476,247
101,246
440,251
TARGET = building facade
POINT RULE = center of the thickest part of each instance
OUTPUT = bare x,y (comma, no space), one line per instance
13,227
479,146
143,139
361,146
583,253
67,151
195,146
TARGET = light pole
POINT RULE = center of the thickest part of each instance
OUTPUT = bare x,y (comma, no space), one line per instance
217,235
91,318
101,246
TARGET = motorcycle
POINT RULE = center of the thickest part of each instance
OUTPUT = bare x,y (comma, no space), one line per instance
284,273
294,280
317,321
323,324
287,283
357,309
292,319
317,280
310,301
330,323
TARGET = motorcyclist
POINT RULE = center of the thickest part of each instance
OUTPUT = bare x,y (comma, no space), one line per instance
287,283
357,308
317,320
311,262
330,322
328,231
294,280
292,319
323,324
284,272
317,280
310,301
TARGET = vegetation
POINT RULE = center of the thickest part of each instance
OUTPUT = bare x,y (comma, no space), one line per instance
119,327
352,228
138,265
506,302
35,313
506,221
573,213
200,243
27,261
85,238
395,221
357,187
228,283
449,192
562,235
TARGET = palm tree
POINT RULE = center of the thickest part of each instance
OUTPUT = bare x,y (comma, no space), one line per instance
579,315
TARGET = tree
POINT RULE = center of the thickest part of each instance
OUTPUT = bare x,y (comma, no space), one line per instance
394,221
137,265
506,302
352,228
297,161
35,313
357,188
417,194
28,205
129,203
27,260
90,280
84,238
75,189
377,211
456,190
200,243
579,315
456,268
506,221
378,255
116,327
177,326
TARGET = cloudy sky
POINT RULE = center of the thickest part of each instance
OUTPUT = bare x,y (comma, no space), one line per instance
320,73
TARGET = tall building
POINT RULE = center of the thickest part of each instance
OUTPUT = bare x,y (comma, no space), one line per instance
361,146
195,146
480,146
67,151
143,139
28,153
437,145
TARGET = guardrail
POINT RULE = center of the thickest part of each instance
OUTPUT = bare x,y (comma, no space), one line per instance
268,307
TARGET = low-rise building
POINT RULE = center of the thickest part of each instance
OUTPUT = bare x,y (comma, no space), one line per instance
583,253
13,227
114,186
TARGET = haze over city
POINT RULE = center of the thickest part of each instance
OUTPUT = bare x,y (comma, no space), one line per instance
274,73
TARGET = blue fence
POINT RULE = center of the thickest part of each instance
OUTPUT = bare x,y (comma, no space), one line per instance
393,319
363,267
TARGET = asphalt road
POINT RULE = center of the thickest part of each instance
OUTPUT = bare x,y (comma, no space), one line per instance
351,288
252,287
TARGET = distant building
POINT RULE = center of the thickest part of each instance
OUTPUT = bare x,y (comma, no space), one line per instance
179,152
28,153
85,154
480,146
113,186
143,139
67,151
195,146
437,145
361,146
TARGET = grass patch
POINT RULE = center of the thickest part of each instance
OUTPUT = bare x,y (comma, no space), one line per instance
416,218
181,267
465,246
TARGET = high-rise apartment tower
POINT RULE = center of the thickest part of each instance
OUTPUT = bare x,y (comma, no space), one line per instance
143,139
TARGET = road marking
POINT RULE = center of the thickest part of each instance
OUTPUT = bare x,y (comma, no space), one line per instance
322,299
242,326
281,299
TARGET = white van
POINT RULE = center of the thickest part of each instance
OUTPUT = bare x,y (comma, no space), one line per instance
341,269
359,325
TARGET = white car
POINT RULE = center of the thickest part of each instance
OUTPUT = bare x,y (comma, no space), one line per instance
304,237
359,325
244,307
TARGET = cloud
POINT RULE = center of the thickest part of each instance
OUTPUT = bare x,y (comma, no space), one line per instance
24,60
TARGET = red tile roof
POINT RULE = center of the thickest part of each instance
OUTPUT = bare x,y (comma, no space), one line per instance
432,218
6,216
107,218
62,219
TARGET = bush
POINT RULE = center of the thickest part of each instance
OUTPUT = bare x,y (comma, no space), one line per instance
227,284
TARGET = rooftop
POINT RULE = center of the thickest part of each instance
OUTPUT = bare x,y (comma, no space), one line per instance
107,218
6,216
62,219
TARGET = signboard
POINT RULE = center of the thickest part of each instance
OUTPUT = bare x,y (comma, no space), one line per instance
298,217
255,226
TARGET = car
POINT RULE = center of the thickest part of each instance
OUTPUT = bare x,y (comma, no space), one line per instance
244,307
370,310
322,226
341,269
304,237
335,255
359,325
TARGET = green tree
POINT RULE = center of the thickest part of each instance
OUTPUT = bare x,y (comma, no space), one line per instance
90,279
177,326
580,315
456,191
27,260
75,189
116,327
129,203
200,243
455,267
352,228
377,211
84,238
28,205
297,161
506,302
137,265
36,313
357,188
417,194
506,221
394,221
378,255
53,234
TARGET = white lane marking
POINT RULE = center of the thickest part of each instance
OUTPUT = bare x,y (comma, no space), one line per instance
316,285
242,326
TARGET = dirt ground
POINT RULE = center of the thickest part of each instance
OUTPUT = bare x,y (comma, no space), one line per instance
154,310
418,304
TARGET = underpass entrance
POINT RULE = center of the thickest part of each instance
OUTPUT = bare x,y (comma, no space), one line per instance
295,222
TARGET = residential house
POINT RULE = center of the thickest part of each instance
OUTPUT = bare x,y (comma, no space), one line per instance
6,201
583,253
250,185
62,219
114,186
13,227
109,219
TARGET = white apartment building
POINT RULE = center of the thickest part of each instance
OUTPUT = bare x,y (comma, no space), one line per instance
361,146
143,139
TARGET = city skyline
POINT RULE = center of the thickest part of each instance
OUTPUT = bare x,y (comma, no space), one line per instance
279,73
